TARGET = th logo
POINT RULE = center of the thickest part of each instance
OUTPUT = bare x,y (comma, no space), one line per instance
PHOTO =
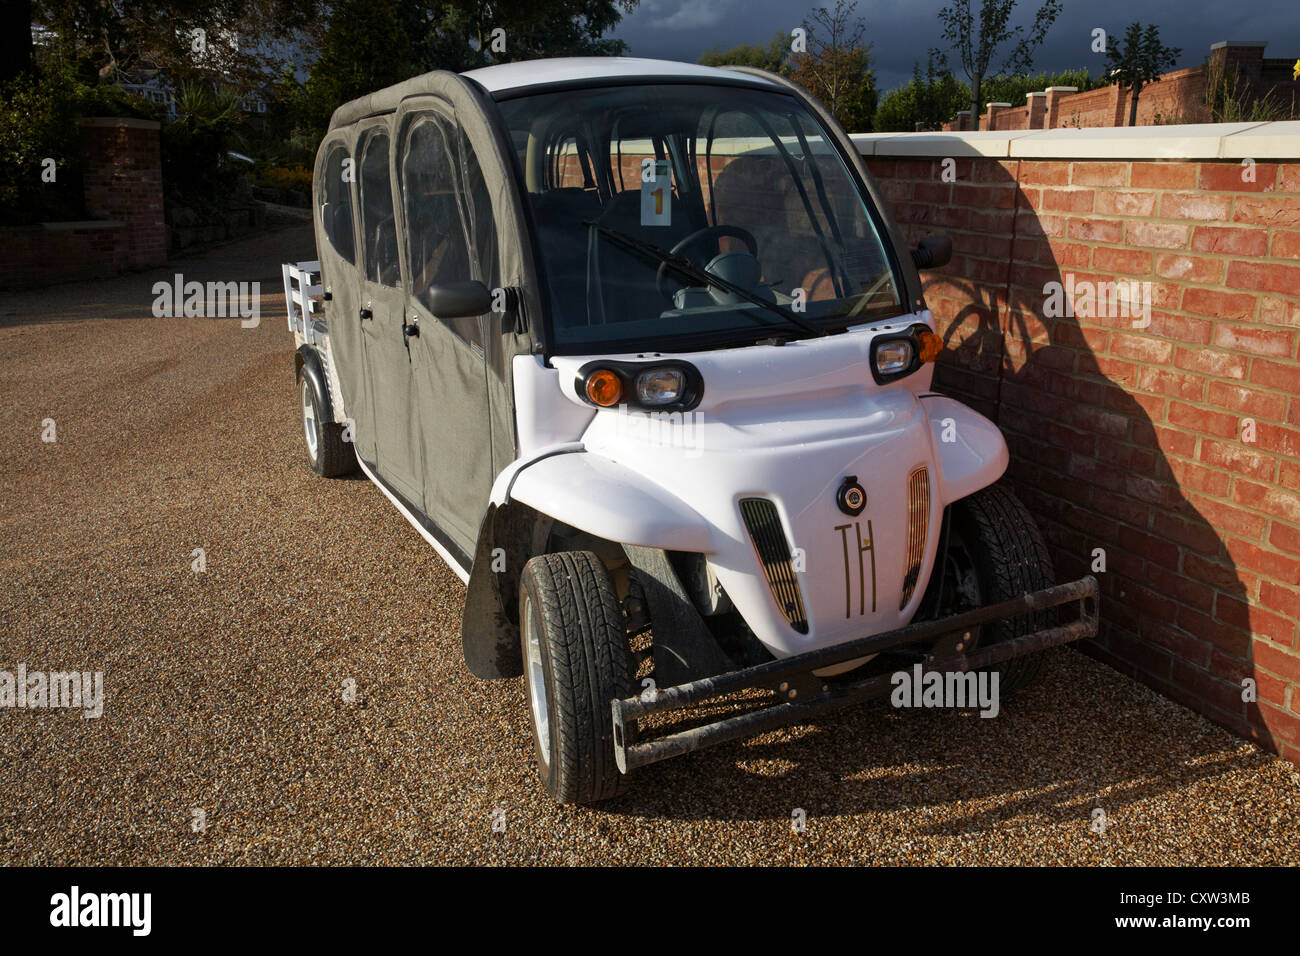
860,549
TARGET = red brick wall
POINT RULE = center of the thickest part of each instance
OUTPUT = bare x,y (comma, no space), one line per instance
1131,439
57,252
123,181
1178,97
1013,118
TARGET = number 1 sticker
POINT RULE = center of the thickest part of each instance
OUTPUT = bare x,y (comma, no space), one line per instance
656,193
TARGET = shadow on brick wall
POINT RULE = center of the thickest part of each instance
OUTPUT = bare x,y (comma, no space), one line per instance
1087,460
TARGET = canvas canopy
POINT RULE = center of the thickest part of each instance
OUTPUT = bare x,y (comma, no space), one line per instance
438,435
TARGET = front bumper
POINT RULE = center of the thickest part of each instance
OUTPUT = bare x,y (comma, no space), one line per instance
631,751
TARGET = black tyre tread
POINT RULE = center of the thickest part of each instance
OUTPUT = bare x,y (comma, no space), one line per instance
334,456
1015,560
337,457
591,664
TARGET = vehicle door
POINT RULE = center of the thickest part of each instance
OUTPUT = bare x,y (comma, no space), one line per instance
383,318
336,245
442,192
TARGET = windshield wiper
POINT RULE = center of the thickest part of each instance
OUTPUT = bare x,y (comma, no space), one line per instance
693,273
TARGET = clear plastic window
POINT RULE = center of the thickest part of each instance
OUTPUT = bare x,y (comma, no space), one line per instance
378,225
334,193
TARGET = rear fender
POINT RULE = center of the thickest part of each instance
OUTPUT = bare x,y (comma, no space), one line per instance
308,361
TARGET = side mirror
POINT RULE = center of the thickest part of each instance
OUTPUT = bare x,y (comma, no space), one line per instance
932,252
451,300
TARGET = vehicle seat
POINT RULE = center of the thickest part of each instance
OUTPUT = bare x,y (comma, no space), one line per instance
629,279
383,247
756,193
559,215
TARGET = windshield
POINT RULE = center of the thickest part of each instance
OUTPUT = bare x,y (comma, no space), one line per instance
730,182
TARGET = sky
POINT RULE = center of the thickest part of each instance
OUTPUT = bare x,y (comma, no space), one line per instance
901,31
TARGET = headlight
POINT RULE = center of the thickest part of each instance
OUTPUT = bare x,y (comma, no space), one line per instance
604,387
660,386
664,385
894,356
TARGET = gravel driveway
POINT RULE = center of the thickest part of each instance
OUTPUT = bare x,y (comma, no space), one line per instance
225,689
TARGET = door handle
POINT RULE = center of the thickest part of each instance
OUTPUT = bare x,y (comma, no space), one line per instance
367,314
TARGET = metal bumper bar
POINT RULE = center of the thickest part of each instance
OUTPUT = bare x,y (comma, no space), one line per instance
631,753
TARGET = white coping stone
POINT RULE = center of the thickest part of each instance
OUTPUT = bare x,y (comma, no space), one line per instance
991,143
1265,141
1280,140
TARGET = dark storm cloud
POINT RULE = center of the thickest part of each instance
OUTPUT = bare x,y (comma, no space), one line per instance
901,31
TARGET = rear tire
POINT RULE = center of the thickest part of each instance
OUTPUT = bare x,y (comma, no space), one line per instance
576,660
1009,558
329,454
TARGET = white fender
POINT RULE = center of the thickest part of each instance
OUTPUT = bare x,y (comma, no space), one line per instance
604,498
971,448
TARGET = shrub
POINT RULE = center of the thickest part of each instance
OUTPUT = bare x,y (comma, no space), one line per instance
280,177
38,123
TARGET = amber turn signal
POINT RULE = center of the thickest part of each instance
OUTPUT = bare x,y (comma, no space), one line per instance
930,345
604,387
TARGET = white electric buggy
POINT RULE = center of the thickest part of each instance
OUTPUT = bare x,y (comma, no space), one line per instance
635,347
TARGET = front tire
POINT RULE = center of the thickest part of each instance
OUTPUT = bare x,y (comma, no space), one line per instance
1006,557
576,660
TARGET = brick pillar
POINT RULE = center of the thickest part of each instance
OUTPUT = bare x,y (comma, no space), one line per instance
1244,56
1037,112
123,181
991,117
963,120
1056,96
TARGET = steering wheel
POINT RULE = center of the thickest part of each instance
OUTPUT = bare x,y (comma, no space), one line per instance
736,232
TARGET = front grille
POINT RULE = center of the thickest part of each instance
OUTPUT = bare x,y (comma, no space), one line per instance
918,524
769,539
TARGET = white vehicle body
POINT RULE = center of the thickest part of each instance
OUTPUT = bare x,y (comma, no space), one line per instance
675,480
752,464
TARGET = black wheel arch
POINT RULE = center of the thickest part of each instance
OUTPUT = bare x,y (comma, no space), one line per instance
308,363
489,630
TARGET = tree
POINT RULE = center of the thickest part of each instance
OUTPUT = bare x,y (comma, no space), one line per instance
1137,61
1013,89
836,67
771,57
977,37
931,100
365,49
190,40
461,35
372,45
